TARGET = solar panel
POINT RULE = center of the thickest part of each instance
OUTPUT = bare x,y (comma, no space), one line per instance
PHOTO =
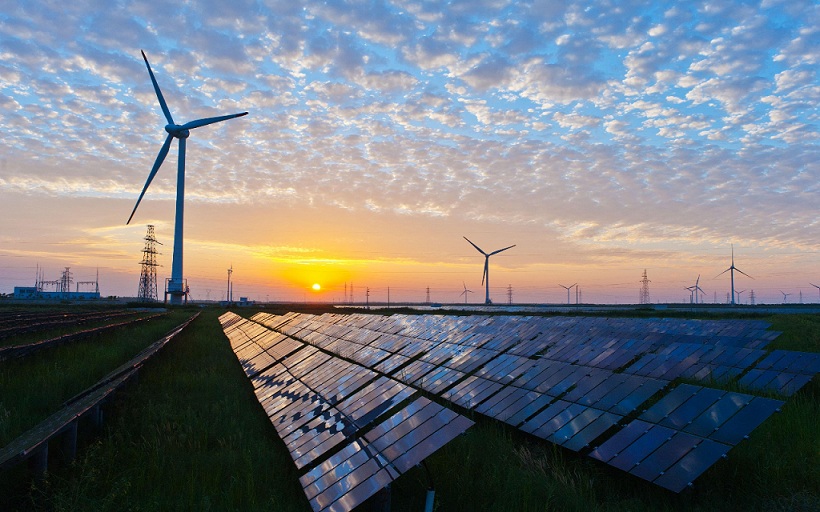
671,451
569,395
591,432
650,440
737,427
671,401
620,441
690,466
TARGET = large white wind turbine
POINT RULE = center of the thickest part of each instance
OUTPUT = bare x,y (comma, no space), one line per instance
485,278
568,288
176,287
731,271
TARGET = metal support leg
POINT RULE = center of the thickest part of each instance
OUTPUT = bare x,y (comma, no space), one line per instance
38,462
70,441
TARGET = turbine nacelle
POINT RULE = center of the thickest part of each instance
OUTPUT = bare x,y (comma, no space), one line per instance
178,131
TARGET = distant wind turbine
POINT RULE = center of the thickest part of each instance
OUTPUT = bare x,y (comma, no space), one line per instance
785,297
568,288
731,271
696,289
485,278
176,286
738,295
818,288
465,292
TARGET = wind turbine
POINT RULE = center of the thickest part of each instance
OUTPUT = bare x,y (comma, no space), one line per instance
785,297
465,292
697,289
568,288
485,278
181,132
738,295
731,271
818,287
691,290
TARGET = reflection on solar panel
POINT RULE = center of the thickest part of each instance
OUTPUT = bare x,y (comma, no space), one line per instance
581,383
351,430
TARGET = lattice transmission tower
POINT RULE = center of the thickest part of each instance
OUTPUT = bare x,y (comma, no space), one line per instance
148,274
644,298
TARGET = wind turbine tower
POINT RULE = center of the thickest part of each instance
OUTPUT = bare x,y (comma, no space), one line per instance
485,278
176,286
818,288
568,288
731,271
229,293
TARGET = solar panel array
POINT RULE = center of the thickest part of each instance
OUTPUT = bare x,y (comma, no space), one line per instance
598,386
349,428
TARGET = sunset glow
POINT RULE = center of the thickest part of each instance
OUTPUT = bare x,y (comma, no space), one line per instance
598,141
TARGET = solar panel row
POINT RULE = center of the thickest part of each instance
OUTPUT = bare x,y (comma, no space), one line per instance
352,430
574,388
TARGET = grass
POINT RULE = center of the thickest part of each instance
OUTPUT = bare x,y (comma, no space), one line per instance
35,387
190,435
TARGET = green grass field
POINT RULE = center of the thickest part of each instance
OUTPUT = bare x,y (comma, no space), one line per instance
190,435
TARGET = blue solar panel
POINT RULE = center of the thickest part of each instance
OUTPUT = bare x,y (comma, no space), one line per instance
620,440
586,436
716,415
691,465
692,408
642,447
534,402
670,452
737,427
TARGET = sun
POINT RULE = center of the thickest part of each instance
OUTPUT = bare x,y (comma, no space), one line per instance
316,287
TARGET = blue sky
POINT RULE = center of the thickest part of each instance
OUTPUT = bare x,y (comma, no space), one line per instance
601,138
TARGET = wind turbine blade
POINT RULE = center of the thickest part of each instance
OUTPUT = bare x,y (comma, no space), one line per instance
477,248
210,120
500,250
744,273
728,269
159,93
163,152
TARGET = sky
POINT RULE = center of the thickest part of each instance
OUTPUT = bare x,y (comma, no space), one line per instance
601,138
